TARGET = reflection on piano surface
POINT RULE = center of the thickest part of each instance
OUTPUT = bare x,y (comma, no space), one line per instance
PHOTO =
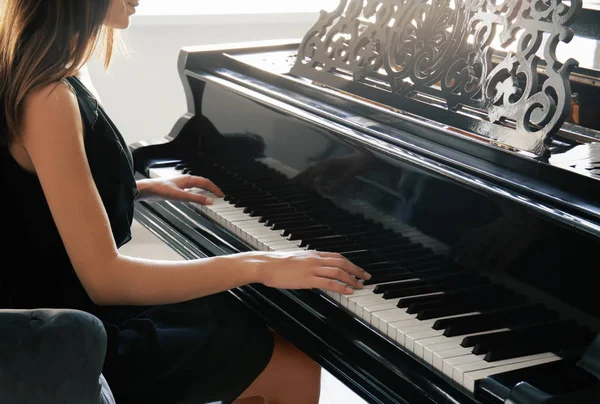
481,229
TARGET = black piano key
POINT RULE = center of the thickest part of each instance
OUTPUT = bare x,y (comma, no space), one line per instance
388,277
270,220
475,298
517,320
426,302
338,248
338,239
292,210
351,228
383,266
319,231
175,163
414,291
452,278
317,243
240,203
562,338
378,239
483,343
414,304
267,207
408,254
391,275
259,197
479,304
411,254
395,247
259,212
495,319
346,234
308,226
432,287
360,261
334,215
317,210
380,289
293,224
418,262
363,260
524,348
296,195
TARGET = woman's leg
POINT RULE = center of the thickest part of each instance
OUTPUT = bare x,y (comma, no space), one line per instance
290,377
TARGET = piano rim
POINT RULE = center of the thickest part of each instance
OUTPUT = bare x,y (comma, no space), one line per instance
578,213
203,238
254,296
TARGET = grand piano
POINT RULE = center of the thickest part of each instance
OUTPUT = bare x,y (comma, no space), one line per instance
451,149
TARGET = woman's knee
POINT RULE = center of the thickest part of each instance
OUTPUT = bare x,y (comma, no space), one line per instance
291,374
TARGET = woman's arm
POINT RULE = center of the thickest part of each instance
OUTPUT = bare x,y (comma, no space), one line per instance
53,138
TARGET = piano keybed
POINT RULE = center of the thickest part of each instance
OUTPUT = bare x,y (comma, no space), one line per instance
461,323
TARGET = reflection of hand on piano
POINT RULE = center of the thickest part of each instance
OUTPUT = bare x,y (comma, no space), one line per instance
497,244
305,270
177,189
336,173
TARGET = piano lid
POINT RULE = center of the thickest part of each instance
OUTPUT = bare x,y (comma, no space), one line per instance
490,68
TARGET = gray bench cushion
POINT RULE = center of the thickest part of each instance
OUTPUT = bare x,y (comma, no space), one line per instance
52,356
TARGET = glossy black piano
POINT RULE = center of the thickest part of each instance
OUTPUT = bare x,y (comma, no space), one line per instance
443,145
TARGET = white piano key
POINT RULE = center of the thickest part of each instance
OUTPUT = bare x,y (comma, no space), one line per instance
441,342
479,364
470,378
225,209
366,291
234,216
454,362
367,311
346,300
438,358
411,337
381,319
284,245
163,172
361,300
445,354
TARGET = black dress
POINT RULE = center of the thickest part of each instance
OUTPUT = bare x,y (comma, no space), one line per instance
203,350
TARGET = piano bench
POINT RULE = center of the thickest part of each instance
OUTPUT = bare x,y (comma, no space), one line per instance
52,356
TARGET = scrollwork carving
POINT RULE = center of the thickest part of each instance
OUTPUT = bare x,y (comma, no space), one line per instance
480,54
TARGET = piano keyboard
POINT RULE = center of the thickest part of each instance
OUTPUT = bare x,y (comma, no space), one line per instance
460,323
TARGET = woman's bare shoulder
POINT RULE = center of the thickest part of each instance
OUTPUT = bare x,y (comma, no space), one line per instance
51,107
57,95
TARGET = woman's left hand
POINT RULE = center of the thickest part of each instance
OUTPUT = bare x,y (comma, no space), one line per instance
179,188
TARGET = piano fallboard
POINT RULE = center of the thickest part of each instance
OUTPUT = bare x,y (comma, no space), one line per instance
471,241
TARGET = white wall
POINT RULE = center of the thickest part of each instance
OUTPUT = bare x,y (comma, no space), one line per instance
143,94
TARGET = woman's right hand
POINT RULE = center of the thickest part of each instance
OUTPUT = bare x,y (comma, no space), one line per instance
306,270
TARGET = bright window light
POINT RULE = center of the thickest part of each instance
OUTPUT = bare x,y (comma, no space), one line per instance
195,7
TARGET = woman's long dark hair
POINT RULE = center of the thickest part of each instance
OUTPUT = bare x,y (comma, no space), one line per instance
43,42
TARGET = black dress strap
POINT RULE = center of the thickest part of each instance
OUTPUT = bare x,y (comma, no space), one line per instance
111,162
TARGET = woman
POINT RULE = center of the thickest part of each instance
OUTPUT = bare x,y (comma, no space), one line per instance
67,175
